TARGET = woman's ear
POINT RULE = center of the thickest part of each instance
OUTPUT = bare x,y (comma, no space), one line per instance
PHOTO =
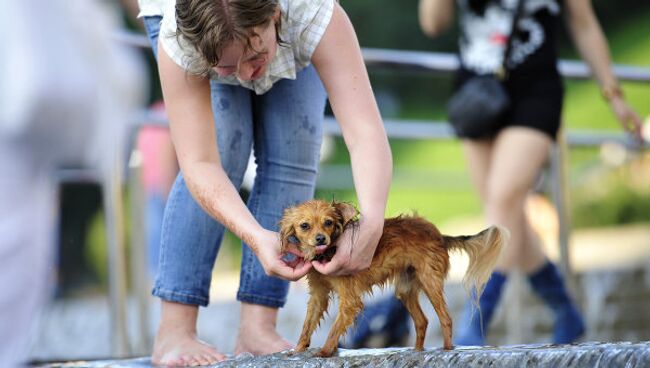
347,211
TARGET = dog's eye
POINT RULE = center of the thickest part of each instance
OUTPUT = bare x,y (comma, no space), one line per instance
304,226
328,222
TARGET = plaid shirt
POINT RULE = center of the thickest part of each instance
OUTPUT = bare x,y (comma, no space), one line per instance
303,25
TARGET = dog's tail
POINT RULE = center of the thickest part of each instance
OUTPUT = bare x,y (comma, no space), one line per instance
483,249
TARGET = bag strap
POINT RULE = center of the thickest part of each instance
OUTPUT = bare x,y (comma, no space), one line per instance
502,73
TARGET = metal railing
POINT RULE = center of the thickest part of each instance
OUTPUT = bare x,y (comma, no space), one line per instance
429,63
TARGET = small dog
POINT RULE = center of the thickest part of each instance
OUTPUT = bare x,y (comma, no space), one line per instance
411,253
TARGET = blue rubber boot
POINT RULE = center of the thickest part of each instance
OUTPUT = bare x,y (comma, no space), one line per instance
380,325
548,284
474,323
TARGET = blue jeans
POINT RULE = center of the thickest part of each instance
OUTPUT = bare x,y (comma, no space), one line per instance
283,128
154,217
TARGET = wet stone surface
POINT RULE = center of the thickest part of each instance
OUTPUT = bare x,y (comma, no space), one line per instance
622,354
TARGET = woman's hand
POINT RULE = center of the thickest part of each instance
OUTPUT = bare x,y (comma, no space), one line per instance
355,249
268,252
628,118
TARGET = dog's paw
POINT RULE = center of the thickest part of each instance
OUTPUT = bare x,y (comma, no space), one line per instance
300,348
324,353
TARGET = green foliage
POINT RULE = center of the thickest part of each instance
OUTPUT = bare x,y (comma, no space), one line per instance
96,253
621,205
618,203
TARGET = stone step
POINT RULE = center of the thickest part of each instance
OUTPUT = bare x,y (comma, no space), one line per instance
610,355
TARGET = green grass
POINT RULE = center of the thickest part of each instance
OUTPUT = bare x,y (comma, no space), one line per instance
429,177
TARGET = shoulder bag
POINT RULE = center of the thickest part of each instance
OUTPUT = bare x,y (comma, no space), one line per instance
475,110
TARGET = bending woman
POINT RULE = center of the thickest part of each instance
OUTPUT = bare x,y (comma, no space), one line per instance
242,75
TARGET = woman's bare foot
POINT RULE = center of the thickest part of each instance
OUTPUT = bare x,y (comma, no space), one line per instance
176,342
257,334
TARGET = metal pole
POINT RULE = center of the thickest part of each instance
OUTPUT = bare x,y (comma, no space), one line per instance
114,217
560,190
139,278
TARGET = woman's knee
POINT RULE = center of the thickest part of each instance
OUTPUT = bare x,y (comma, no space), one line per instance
504,200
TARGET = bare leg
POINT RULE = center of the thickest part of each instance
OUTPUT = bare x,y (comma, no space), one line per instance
257,334
504,171
176,340
478,154
517,156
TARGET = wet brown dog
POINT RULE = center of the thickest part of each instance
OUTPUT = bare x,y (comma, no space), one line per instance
411,253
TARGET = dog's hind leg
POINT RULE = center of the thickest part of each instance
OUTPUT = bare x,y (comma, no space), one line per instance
407,290
318,302
433,287
350,305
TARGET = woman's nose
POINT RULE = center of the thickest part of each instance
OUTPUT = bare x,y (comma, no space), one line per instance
246,71
224,72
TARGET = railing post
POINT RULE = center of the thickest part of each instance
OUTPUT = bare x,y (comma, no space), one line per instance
560,189
114,217
138,264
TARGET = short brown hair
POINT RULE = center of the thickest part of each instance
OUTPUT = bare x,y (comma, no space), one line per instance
209,26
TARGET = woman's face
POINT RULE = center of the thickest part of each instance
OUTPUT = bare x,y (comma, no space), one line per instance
253,63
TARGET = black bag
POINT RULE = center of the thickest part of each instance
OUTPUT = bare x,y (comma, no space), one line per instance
477,108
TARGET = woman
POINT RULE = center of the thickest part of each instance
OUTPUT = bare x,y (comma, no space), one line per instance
242,74
505,162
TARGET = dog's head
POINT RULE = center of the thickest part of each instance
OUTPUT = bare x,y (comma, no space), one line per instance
314,226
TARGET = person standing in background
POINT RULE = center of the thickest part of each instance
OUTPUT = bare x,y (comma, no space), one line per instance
504,161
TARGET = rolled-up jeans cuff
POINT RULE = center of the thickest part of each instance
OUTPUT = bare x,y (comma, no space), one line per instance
261,300
180,297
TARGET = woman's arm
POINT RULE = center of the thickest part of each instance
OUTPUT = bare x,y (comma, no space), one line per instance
187,100
435,16
592,46
340,65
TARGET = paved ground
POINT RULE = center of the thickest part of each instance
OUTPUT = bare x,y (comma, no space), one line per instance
610,355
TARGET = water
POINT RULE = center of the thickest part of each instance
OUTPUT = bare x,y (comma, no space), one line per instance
594,354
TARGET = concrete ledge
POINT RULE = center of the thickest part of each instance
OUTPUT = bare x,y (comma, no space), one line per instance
593,354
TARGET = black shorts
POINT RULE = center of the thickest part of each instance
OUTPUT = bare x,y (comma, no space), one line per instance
536,101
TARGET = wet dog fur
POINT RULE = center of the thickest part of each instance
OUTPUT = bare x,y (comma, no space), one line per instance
412,254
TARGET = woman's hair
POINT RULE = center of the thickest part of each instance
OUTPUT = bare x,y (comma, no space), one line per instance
210,26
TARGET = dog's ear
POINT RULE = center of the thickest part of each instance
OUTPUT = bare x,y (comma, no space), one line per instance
347,211
287,231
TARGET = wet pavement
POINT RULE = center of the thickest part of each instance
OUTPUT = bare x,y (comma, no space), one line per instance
610,355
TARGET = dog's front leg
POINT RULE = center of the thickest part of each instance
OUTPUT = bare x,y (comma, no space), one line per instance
350,305
318,302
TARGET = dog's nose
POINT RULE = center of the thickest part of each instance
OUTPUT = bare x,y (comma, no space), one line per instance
320,239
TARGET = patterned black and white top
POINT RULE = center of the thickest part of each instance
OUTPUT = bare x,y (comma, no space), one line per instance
485,26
